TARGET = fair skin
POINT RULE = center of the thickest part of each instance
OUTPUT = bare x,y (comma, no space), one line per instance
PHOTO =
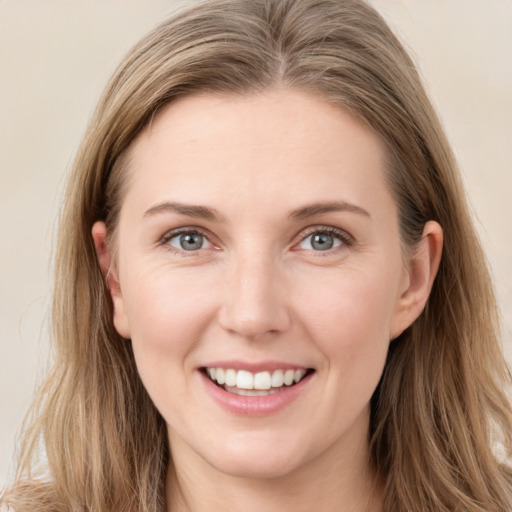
257,233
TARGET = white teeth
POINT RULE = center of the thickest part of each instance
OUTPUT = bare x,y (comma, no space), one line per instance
288,377
252,392
244,380
221,376
277,379
230,378
298,375
262,380
254,384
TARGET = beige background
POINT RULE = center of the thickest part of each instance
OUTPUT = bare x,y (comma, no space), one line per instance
55,57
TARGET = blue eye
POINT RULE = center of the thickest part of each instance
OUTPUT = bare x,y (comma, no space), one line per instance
188,241
322,241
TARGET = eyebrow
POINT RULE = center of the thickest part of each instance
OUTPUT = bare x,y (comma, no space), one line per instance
212,215
328,207
190,210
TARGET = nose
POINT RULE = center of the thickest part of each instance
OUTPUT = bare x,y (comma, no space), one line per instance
255,303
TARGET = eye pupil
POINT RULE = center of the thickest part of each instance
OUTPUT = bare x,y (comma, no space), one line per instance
322,241
191,241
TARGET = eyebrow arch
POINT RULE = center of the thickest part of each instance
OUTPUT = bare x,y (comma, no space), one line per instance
190,210
328,207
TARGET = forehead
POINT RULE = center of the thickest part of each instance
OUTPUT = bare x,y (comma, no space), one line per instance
274,146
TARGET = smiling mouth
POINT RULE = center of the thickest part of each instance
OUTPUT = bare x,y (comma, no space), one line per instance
245,383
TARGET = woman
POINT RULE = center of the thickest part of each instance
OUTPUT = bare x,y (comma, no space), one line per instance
269,291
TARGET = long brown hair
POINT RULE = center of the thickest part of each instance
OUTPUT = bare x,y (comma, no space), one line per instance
440,408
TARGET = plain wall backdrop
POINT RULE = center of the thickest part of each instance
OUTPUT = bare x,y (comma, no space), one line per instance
55,58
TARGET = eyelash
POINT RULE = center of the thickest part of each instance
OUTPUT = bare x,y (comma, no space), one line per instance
345,239
164,241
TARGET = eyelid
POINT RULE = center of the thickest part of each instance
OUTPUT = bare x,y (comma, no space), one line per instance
346,239
172,233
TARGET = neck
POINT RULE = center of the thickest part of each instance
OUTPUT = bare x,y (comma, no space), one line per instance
332,481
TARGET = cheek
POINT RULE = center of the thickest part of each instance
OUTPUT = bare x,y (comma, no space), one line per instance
346,307
167,312
350,318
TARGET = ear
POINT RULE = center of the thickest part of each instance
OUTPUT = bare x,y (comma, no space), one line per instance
99,235
422,270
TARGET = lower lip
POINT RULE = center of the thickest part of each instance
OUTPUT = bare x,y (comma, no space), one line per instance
255,405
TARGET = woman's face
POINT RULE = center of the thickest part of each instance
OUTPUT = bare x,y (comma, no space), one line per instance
258,243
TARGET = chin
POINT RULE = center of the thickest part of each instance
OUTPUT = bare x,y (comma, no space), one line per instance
253,461
257,470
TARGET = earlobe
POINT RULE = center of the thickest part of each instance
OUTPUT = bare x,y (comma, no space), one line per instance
423,267
99,235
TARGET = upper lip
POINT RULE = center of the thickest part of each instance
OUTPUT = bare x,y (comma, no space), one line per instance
255,366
